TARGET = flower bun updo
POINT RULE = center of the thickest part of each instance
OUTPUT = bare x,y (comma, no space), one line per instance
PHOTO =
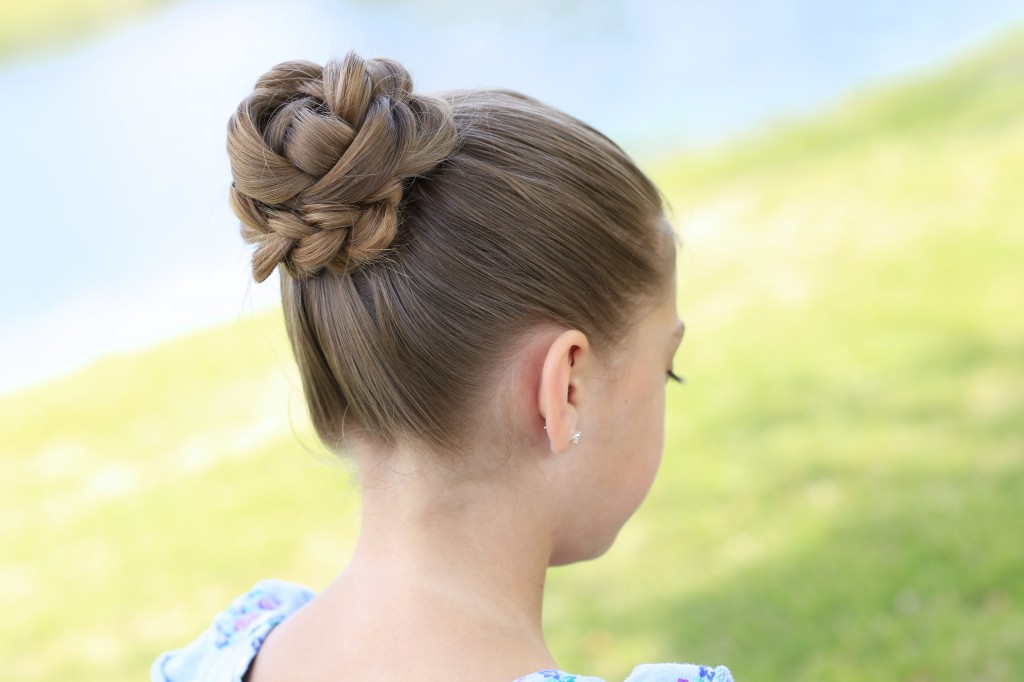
422,237
319,156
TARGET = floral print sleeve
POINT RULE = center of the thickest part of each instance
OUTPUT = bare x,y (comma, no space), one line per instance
648,672
224,651
679,672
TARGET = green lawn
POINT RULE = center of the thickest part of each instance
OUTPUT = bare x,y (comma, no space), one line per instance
29,26
843,482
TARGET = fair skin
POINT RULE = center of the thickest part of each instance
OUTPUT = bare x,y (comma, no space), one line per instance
447,578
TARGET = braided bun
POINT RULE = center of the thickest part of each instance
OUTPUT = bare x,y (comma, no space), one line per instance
319,156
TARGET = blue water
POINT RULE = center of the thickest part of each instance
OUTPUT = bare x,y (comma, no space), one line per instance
115,228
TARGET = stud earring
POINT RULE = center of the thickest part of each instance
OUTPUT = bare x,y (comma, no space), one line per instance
575,438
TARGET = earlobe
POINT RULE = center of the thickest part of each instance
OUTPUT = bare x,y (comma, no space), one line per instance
559,392
575,438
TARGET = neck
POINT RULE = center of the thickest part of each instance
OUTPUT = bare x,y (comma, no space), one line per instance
475,550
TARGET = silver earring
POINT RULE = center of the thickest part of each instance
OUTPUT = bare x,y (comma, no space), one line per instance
575,438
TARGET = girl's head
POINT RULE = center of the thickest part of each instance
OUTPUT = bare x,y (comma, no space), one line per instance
459,271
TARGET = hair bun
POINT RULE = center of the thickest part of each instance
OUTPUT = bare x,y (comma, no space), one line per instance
318,159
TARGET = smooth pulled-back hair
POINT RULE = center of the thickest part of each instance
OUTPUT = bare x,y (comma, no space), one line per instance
420,237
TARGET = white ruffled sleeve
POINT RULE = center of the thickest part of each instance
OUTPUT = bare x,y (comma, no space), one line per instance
679,672
224,651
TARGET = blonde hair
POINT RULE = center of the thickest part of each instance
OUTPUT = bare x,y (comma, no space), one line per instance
418,233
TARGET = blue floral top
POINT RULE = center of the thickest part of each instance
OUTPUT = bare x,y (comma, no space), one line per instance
225,650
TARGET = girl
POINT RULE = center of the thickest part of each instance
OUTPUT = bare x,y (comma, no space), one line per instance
479,291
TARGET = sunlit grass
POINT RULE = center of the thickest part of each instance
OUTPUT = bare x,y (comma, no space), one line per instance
142,491
28,26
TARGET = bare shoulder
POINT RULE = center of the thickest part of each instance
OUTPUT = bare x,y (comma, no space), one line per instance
325,643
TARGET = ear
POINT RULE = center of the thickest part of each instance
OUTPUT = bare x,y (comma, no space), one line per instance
559,392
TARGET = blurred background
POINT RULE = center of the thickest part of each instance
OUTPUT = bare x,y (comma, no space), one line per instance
842,493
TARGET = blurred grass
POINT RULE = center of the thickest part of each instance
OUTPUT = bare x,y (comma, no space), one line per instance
841,492
33,26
